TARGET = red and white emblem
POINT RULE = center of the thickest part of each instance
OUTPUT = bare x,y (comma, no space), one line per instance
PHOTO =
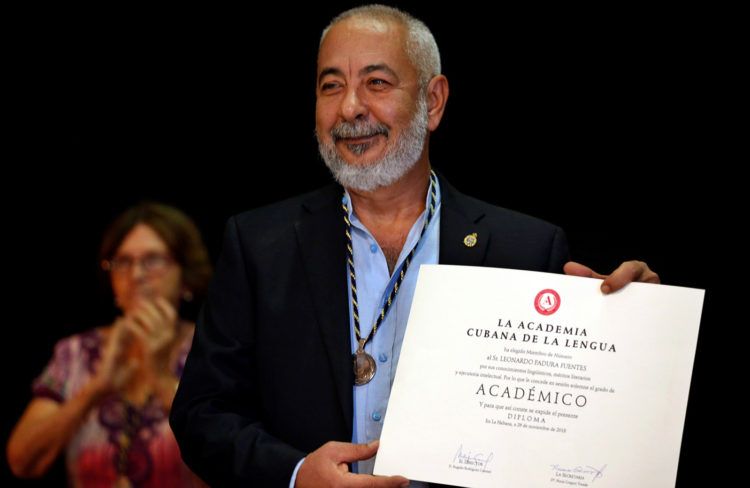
547,302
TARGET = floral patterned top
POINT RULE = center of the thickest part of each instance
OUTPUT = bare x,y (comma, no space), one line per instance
117,443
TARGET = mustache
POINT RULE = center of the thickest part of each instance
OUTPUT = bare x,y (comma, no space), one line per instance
348,130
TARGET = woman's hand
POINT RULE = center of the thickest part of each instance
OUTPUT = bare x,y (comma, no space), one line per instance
115,368
154,324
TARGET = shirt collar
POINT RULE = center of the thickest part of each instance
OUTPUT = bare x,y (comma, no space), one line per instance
346,200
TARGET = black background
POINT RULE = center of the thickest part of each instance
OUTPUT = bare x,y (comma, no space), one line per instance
603,122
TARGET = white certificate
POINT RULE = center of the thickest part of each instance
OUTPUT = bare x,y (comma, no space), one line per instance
522,379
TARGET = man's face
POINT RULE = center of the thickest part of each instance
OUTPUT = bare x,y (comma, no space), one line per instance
371,120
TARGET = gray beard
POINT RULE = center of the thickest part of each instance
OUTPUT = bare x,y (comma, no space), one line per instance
400,155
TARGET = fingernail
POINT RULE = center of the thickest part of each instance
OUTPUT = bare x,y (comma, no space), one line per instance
606,289
372,443
403,485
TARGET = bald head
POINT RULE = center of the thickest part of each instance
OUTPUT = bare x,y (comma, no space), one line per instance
419,43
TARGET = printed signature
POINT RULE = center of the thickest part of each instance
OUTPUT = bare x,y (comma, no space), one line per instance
581,470
477,459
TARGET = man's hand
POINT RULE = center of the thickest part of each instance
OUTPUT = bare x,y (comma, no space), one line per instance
327,466
627,272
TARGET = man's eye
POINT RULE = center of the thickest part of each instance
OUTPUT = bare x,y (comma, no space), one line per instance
328,86
378,82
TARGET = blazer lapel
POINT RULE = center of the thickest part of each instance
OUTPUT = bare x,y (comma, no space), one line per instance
463,237
320,235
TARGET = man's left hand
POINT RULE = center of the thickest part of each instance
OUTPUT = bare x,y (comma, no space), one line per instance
627,272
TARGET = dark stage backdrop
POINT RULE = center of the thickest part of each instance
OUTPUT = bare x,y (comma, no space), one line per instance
592,120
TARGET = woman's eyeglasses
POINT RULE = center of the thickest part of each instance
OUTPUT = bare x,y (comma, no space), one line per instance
153,263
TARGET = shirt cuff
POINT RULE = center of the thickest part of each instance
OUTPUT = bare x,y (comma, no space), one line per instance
294,473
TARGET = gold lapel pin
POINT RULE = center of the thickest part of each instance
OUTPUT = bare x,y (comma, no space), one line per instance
470,240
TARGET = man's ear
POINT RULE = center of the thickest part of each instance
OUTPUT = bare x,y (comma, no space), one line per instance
437,96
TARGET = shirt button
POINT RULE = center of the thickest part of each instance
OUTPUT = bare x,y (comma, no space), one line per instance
383,357
376,416
373,248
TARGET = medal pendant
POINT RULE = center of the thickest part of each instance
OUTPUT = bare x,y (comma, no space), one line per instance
364,367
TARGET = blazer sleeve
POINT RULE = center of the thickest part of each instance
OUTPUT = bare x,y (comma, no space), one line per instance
216,414
559,252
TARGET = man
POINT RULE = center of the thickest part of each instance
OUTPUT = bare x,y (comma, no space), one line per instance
304,285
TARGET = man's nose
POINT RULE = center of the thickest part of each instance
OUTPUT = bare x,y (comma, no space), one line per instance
353,107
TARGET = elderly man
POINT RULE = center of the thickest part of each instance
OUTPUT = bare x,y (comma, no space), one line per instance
289,376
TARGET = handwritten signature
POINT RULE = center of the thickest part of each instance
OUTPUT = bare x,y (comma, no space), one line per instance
581,470
472,458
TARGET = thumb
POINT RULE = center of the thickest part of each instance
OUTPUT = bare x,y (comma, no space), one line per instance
577,269
358,452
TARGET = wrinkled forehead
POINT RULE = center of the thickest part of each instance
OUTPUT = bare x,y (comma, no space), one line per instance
361,40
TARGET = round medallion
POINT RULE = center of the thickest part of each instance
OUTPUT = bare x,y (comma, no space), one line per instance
364,368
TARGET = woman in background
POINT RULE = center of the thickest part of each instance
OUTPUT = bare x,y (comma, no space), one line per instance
105,396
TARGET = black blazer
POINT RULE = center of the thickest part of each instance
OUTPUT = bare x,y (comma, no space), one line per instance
269,377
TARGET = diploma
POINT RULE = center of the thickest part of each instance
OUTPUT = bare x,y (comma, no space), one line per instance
522,379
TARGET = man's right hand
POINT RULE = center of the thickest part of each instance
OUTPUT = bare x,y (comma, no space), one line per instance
328,466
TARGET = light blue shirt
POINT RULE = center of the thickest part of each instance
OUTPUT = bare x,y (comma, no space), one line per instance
373,283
